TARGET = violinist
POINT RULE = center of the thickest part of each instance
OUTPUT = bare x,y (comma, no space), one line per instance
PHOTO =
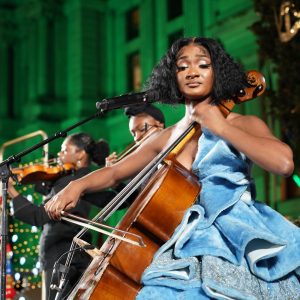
80,150
144,120
228,245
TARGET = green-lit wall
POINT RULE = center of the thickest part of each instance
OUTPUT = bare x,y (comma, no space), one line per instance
59,57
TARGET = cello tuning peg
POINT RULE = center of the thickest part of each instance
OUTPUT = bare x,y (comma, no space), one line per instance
241,93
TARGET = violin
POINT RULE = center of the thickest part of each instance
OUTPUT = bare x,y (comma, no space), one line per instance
37,172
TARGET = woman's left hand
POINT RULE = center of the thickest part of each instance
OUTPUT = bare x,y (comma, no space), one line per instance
208,116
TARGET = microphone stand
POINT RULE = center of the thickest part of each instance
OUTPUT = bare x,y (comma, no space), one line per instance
5,173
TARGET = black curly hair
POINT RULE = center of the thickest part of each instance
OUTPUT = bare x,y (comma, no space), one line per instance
229,78
96,150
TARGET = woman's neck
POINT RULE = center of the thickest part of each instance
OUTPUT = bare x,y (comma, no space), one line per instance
191,103
189,106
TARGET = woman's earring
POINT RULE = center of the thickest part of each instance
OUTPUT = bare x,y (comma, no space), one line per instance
78,163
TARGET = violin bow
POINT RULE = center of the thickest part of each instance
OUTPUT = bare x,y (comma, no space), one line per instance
94,226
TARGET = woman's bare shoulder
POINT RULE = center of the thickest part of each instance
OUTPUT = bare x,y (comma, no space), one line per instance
249,123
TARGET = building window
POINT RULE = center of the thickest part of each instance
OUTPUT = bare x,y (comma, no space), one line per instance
174,36
132,23
50,52
174,9
134,72
291,187
10,81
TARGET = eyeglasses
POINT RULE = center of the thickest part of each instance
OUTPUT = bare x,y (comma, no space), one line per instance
146,127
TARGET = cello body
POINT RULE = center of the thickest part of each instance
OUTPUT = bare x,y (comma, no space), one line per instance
154,215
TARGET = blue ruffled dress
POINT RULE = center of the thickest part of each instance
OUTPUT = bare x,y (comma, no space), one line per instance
228,245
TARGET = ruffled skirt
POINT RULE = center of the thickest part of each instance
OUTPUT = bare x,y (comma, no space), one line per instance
247,251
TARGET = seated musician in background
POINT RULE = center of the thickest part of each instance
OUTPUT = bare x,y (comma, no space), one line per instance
229,245
144,120
80,150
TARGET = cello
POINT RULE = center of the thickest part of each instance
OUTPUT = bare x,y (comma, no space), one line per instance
116,270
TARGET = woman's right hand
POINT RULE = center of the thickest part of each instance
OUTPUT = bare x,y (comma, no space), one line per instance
66,199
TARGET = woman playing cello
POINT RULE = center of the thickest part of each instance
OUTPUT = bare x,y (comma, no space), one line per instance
228,245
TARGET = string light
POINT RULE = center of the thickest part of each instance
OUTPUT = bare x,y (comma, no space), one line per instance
29,198
14,238
22,260
35,271
25,248
34,229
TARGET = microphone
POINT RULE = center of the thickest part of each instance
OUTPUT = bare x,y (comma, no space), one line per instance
127,100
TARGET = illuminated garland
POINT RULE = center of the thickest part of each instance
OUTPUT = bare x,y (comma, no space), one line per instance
24,239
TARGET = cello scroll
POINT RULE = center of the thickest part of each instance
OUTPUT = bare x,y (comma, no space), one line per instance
257,85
